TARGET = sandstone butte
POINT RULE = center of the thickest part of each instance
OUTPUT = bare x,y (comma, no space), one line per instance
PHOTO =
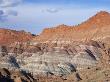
96,27
9,36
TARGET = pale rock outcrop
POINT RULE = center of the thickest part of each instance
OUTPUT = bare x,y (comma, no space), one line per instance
59,63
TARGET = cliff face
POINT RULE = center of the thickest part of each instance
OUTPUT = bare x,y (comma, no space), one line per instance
52,59
10,36
95,28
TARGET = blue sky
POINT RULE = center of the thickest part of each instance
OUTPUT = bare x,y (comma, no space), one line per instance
35,15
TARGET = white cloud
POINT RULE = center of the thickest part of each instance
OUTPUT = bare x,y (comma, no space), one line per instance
12,12
52,10
5,12
9,3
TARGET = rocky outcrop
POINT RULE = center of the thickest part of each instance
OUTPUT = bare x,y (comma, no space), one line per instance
16,76
53,59
61,60
95,28
13,36
58,60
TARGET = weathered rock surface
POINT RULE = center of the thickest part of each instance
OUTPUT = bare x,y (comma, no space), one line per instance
16,76
54,59
95,28
62,61
13,36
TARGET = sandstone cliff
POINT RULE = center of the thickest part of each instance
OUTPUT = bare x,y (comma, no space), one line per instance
10,36
95,28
